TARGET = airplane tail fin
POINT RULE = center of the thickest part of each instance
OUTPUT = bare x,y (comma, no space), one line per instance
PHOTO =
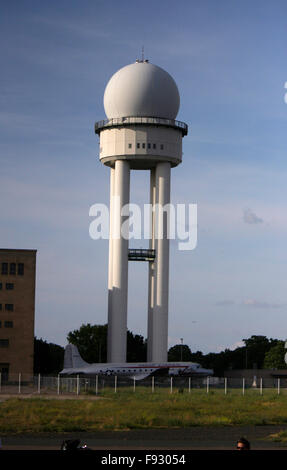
72,358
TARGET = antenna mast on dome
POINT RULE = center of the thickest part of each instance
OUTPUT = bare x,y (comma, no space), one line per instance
142,59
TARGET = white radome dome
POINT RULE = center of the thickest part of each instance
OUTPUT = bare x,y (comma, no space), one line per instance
141,89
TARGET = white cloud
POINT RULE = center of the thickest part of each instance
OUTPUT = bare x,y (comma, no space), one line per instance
223,303
238,344
250,303
250,217
259,304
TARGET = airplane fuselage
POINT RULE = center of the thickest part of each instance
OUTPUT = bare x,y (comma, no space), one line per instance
136,369
75,365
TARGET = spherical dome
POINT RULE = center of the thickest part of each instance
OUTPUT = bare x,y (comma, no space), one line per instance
141,89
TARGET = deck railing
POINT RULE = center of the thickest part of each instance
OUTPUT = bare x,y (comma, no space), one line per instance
152,121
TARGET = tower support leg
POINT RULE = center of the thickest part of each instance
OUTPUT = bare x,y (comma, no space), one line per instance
158,315
151,268
118,265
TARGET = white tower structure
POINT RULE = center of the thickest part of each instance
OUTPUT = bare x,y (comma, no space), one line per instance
141,103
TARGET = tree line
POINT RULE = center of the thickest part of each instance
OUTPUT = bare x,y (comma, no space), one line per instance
258,352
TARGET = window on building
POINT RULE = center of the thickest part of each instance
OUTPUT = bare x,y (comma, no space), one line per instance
138,145
9,285
0,285
9,307
8,324
0,307
21,269
148,146
154,146
13,268
4,343
161,146
0,324
4,268
4,370
130,146
143,145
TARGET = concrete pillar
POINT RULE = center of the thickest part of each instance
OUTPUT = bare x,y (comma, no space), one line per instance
117,328
110,273
151,268
159,329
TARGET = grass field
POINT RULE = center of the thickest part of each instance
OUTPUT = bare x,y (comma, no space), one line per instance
129,410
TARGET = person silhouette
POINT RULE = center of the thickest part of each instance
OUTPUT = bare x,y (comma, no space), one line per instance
243,444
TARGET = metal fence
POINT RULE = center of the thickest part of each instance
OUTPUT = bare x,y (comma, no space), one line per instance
97,385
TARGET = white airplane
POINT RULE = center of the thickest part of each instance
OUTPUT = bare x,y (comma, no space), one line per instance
74,364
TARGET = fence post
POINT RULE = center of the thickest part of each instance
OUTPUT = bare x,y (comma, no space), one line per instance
278,387
152,384
171,385
134,384
78,385
243,386
19,385
207,385
261,386
225,385
58,385
189,385
116,378
97,383
39,383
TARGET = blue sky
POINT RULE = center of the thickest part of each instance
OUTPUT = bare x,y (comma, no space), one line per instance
228,59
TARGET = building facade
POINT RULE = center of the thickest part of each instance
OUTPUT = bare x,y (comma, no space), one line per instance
17,312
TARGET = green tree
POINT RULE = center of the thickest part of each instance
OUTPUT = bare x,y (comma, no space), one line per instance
275,357
179,352
136,348
91,341
257,347
197,357
48,357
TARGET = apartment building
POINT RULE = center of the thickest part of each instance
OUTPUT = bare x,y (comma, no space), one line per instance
17,311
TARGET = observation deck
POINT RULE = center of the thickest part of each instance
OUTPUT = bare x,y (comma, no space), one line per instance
148,121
